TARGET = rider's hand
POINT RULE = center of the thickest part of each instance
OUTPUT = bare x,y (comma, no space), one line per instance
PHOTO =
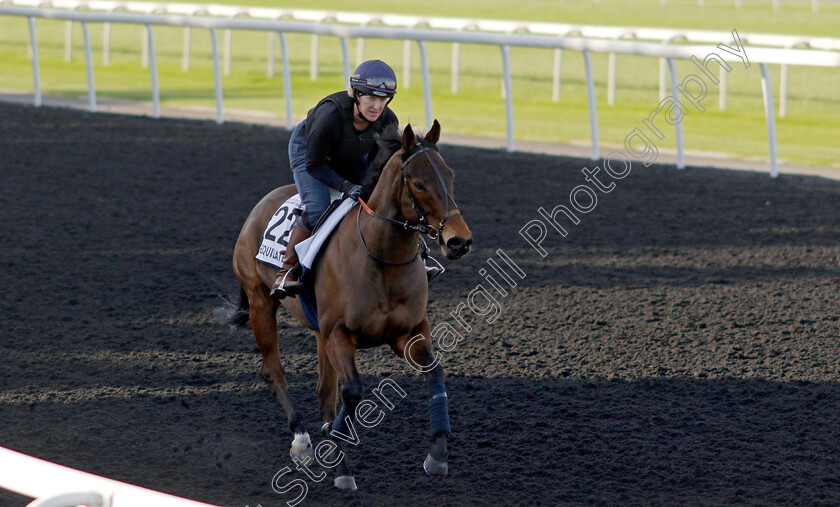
354,192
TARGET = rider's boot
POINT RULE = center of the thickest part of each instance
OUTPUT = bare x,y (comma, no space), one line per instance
287,283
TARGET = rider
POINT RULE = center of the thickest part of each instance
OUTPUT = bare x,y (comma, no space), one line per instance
331,149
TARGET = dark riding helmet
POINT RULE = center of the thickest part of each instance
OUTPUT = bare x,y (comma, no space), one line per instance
374,77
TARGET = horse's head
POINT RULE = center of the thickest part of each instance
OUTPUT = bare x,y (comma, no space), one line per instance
426,195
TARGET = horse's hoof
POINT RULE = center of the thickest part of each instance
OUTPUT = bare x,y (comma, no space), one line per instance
302,447
325,429
345,482
434,467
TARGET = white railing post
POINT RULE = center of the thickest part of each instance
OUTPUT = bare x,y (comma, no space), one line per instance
68,42
558,67
590,94
144,39
144,52
106,38
287,81
611,71
427,84
783,91
68,39
783,81
662,63
89,62
217,76
360,44
228,49
154,73
36,72
508,95
503,87
185,58
406,80
271,56
106,44
345,53
313,62
557,78
229,42
272,48
456,61
455,72
455,69
678,126
768,114
313,58
185,63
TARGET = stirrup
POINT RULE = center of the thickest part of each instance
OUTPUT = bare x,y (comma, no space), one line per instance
432,272
292,287
281,290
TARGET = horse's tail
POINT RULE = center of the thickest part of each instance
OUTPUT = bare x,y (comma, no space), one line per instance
234,315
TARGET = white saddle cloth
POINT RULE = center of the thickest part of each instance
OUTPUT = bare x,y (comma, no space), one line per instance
276,235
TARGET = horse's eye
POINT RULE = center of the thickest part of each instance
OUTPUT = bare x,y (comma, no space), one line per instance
419,186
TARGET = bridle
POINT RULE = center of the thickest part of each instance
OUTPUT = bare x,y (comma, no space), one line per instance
422,226
447,196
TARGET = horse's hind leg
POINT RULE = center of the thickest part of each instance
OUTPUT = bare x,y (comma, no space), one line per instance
264,323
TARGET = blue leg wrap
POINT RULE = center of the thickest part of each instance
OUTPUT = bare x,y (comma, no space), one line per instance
438,410
340,424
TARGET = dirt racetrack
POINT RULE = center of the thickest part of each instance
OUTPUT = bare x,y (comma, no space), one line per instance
679,347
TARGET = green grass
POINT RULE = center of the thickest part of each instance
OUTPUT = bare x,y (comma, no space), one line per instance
808,135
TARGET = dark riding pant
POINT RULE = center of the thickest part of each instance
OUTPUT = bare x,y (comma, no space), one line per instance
313,194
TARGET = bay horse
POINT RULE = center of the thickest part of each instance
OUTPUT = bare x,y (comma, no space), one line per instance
371,290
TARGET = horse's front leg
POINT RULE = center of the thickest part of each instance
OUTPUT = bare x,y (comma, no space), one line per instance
327,384
417,350
341,352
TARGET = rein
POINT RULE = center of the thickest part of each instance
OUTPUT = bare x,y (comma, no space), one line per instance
364,244
422,226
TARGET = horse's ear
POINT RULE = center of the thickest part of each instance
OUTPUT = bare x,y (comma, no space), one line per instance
408,138
433,135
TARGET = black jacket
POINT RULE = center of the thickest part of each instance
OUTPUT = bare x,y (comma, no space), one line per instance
335,152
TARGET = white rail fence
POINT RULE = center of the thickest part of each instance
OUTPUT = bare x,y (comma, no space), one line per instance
618,45
54,485
663,35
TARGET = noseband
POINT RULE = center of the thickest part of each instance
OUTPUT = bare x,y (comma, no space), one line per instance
422,226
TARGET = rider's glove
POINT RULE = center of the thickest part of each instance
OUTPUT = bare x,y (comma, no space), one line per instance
352,191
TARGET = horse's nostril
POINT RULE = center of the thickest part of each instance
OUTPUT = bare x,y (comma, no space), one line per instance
456,243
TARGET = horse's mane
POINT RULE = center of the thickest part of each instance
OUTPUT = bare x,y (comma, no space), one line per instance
389,142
